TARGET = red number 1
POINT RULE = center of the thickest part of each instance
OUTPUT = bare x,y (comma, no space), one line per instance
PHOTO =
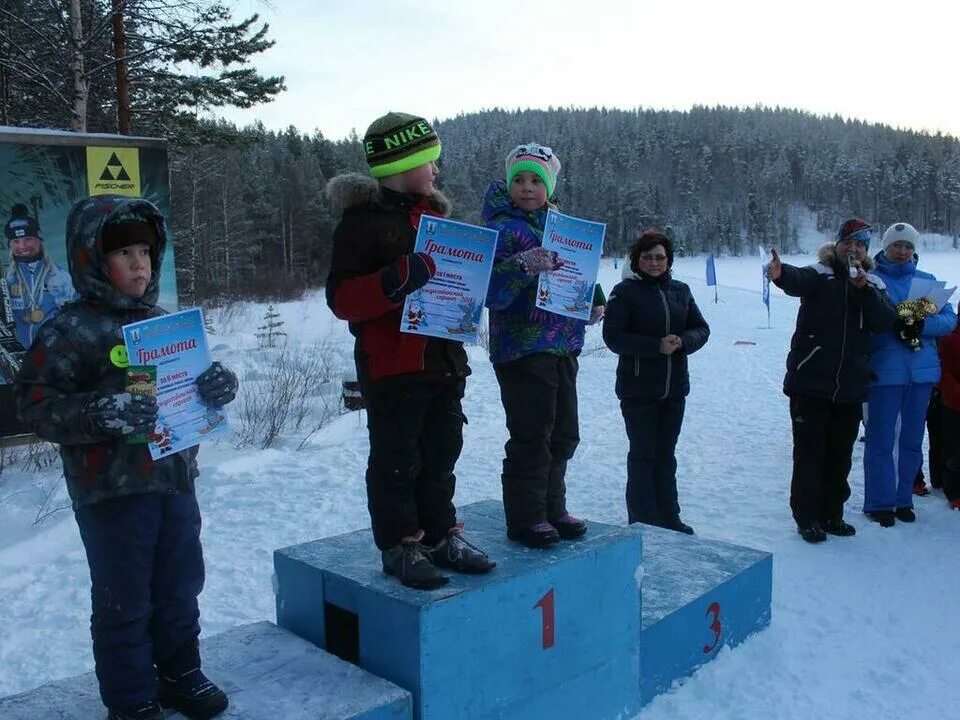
546,606
717,628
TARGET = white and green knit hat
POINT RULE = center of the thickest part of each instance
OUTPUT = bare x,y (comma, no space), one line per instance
398,142
538,159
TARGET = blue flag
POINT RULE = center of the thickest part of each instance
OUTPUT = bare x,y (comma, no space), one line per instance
766,280
711,271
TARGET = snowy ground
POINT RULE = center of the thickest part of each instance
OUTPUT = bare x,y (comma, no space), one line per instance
862,627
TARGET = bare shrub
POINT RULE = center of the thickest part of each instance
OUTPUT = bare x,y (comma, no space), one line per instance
53,498
293,386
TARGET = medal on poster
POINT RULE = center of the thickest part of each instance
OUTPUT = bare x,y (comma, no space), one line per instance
33,294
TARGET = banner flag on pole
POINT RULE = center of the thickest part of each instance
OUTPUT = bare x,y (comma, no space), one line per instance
766,280
711,271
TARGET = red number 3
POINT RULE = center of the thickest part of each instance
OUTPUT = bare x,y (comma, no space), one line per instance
546,607
717,628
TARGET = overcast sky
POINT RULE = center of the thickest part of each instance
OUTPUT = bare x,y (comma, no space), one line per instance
349,61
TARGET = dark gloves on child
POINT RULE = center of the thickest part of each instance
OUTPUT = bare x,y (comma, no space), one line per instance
217,385
408,274
537,260
121,414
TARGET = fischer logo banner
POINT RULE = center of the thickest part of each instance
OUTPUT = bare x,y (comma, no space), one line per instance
114,171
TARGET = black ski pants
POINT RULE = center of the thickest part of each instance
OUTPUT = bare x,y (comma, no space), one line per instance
823,436
653,427
539,396
416,435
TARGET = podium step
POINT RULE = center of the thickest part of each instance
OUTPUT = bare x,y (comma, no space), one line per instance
267,672
548,633
698,595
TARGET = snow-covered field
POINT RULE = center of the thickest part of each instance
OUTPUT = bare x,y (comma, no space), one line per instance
865,627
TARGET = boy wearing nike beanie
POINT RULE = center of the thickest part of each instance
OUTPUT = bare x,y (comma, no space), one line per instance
412,385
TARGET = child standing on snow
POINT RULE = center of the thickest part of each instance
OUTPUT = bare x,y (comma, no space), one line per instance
534,353
412,385
138,518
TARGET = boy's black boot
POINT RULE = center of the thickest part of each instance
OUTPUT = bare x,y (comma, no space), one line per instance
408,562
454,552
192,694
836,526
540,535
813,533
886,518
150,710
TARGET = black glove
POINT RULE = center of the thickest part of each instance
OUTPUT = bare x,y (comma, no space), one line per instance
121,414
408,274
217,385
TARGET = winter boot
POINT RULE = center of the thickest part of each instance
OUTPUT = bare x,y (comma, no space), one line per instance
540,535
906,515
919,486
569,527
813,533
886,518
412,566
955,504
678,525
455,553
192,694
150,710
836,526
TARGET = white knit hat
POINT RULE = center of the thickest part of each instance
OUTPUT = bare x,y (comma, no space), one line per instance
900,232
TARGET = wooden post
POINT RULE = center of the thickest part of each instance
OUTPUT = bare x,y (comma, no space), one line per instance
124,121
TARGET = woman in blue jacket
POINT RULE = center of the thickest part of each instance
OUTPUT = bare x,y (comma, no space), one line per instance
904,378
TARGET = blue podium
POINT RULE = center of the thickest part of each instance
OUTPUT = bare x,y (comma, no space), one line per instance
268,674
549,633
698,596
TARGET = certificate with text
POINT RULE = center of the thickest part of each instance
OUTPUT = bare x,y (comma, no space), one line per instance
451,304
176,345
579,243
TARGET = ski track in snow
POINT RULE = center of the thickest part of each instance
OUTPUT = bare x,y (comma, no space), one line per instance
862,627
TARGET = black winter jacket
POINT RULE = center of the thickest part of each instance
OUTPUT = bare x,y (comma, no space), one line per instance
641,311
829,351
377,227
79,355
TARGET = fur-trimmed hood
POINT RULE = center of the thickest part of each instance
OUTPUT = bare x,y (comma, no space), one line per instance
355,190
828,262
827,255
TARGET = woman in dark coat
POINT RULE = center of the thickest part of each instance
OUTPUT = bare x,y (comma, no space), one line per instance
652,322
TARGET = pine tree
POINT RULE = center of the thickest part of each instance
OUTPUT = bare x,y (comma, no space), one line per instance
269,331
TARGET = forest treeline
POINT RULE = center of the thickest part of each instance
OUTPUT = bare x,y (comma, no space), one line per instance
249,215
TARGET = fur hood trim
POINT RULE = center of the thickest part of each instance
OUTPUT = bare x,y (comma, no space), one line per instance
827,255
354,190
